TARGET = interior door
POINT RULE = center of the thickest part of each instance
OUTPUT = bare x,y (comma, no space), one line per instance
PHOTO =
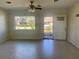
60,27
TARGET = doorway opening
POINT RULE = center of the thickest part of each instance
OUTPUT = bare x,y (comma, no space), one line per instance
48,27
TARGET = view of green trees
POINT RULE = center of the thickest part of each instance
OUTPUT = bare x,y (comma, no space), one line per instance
25,22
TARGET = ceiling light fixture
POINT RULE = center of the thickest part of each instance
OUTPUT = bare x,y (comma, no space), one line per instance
31,10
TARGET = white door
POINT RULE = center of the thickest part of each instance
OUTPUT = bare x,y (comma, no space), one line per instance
60,27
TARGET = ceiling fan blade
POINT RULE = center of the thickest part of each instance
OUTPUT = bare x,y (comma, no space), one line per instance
38,8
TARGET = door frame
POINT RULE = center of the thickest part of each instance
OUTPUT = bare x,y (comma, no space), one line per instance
52,27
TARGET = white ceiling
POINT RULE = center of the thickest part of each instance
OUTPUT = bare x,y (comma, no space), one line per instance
44,3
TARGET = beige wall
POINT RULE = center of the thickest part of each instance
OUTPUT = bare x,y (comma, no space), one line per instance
23,34
73,26
31,34
3,26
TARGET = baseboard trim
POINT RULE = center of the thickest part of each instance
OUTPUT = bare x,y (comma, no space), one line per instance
74,44
61,39
3,41
25,39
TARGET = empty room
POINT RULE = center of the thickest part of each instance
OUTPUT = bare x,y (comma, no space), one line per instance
39,29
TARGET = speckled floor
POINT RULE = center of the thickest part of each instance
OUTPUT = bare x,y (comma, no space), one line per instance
46,49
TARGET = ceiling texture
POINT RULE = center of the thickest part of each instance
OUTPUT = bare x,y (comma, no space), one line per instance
44,3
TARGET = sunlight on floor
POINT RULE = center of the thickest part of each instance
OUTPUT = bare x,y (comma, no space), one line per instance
48,48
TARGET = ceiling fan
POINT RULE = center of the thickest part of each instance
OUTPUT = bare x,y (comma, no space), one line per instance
34,7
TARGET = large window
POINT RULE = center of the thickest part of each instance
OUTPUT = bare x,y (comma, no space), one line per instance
25,22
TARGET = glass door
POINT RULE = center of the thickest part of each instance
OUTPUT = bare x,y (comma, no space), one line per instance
48,27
